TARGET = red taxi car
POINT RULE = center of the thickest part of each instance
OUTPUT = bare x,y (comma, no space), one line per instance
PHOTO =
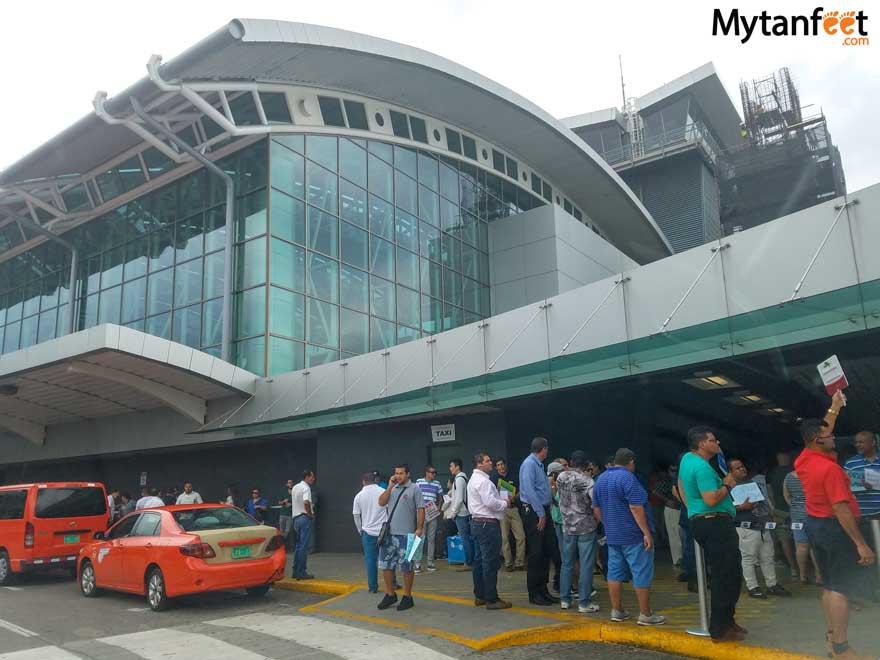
177,550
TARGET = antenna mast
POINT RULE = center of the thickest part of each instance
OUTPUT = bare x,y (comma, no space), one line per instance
622,86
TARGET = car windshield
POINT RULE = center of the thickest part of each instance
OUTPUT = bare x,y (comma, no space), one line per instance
194,520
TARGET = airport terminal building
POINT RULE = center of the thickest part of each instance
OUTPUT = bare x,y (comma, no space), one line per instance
297,247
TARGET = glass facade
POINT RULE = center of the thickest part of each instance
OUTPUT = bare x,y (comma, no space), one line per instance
342,246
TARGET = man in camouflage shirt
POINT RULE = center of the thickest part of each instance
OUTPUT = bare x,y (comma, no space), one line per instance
575,488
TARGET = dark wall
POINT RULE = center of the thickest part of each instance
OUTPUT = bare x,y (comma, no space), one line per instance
345,454
264,463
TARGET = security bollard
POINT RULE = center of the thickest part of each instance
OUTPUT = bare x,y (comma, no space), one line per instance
703,630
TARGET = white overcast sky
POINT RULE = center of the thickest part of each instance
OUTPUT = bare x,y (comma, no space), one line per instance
563,56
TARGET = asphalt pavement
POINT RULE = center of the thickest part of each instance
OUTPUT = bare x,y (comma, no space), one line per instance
46,618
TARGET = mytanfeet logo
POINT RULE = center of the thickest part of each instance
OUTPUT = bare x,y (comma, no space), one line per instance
850,26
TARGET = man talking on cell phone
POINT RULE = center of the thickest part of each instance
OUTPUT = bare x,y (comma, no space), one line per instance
833,528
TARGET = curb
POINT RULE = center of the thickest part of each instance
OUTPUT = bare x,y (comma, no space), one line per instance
653,639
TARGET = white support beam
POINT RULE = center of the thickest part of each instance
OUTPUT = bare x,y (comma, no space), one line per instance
186,404
34,433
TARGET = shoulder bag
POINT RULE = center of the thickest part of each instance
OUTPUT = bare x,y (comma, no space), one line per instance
385,532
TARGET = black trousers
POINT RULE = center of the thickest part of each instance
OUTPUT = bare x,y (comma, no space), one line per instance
539,550
720,543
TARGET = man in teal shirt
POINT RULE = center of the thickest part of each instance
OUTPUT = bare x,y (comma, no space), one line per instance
711,512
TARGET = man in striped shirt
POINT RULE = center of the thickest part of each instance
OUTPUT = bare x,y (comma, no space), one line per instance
857,466
432,493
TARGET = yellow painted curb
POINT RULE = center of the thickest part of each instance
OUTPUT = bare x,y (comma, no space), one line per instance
643,637
328,587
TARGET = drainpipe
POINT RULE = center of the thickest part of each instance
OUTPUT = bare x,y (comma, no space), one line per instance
226,340
74,258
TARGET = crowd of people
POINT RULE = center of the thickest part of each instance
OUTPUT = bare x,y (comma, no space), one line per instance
583,519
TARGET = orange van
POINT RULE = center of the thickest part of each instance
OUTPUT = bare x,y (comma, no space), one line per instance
43,525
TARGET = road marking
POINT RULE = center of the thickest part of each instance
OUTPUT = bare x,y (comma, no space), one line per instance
168,644
138,609
13,588
345,641
42,653
18,630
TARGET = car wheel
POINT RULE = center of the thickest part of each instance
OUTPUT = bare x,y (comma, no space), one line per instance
156,596
6,575
87,584
262,590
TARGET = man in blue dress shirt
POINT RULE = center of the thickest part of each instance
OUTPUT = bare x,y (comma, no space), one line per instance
535,498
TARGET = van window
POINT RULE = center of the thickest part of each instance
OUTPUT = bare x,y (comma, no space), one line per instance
12,504
70,502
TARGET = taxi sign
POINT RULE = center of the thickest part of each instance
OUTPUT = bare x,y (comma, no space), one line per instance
832,375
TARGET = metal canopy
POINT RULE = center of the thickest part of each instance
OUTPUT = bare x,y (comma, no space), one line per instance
110,370
276,52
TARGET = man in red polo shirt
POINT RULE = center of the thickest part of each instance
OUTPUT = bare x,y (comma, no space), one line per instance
833,528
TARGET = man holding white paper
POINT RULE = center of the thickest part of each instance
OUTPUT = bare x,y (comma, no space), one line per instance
406,516
753,513
487,508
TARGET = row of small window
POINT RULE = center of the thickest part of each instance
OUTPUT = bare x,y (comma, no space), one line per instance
324,333
409,178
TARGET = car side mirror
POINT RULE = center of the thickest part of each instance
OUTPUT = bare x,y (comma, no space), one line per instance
98,536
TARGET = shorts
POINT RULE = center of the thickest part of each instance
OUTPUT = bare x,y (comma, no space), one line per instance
837,557
393,554
800,535
626,560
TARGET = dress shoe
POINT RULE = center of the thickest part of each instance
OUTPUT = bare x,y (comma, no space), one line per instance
479,602
539,600
499,605
464,568
509,569
548,596
730,635
738,628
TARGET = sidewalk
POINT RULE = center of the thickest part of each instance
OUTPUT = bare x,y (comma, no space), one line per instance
444,608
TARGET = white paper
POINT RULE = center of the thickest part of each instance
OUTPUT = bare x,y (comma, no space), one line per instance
504,494
414,543
749,491
872,478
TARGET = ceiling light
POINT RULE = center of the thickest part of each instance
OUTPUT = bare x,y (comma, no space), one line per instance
720,381
777,411
754,398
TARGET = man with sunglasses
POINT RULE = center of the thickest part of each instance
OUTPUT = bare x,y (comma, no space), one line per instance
832,526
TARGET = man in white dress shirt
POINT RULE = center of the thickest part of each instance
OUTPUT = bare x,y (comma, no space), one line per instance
487,507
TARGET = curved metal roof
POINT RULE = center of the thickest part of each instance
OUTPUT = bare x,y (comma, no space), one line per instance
296,53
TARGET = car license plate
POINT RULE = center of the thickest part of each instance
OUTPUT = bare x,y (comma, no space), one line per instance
71,538
241,551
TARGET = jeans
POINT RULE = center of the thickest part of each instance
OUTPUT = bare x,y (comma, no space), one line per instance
430,540
720,543
463,523
539,549
575,546
371,557
688,560
302,525
487,559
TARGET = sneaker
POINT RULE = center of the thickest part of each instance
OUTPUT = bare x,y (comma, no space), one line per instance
386,602
589,608
619,615
418,569
795,574
499,605
563,605
778,590
431,568
651,619
593,594
757,593
405,603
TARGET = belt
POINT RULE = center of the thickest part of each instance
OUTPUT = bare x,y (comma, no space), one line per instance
709,516
484,520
